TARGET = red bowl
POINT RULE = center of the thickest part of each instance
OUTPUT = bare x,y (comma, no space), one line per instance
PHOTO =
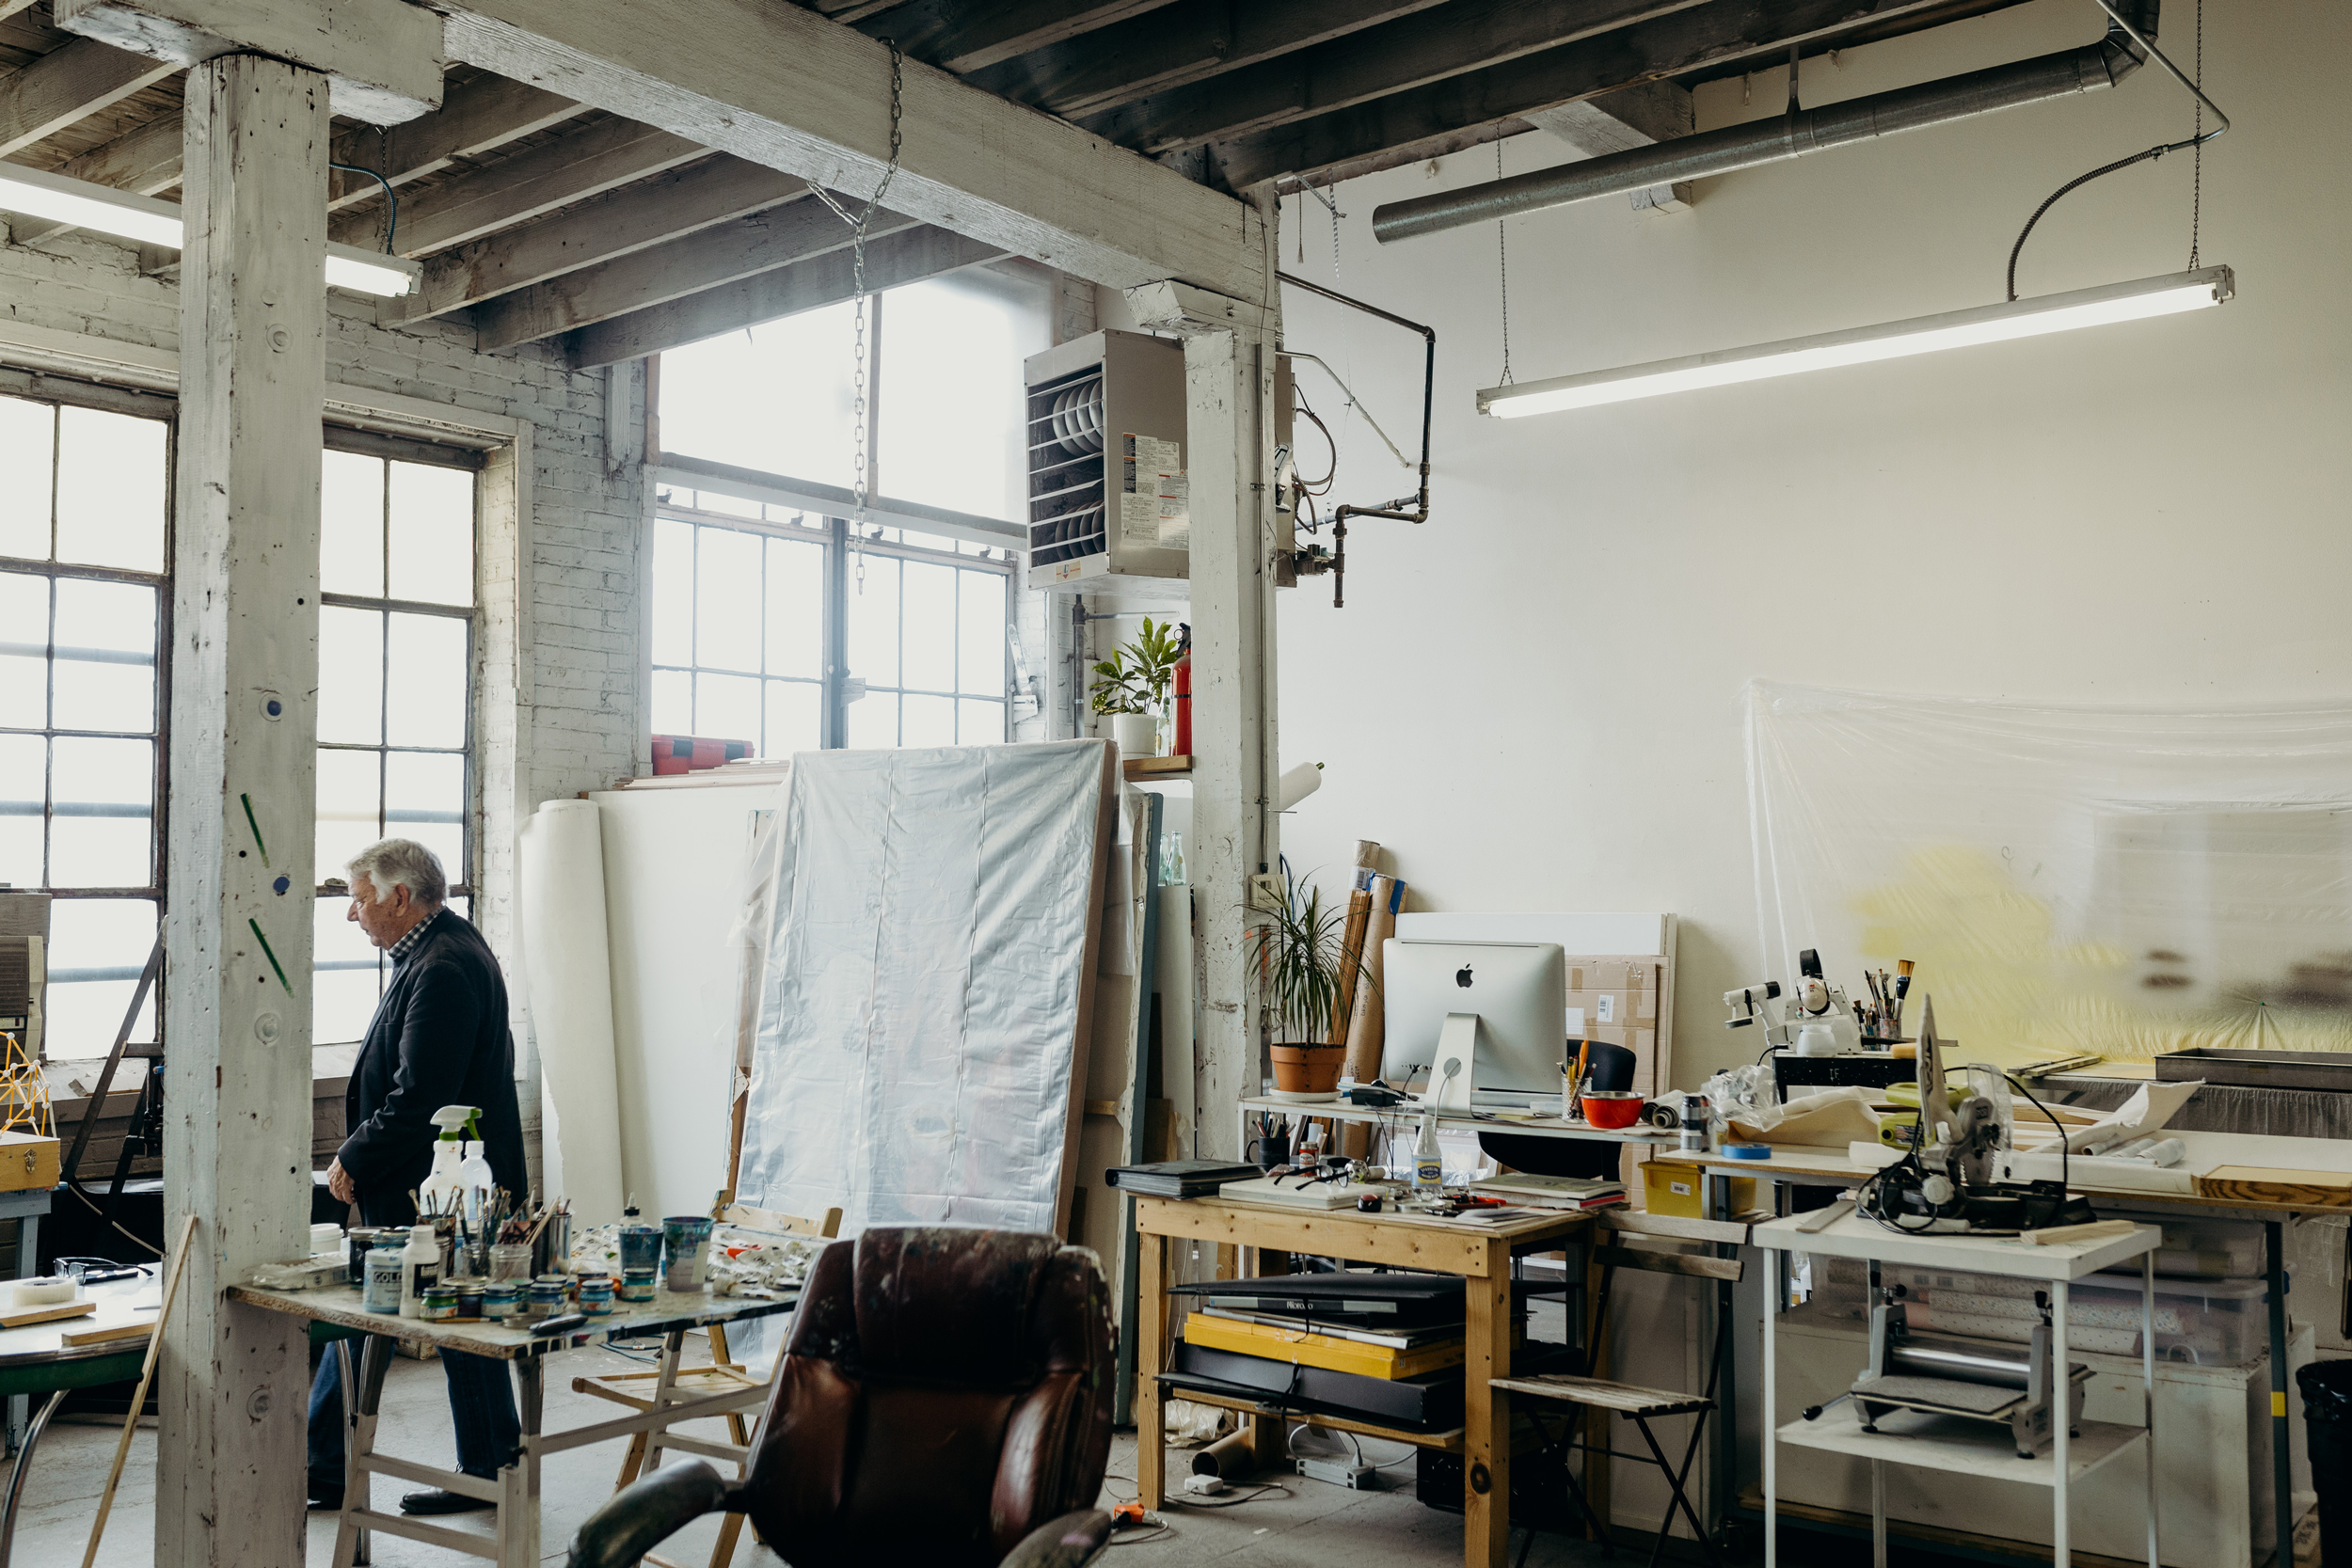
1612,1112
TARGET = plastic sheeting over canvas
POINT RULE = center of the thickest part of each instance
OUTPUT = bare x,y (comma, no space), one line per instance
2119,881
567,991
928,980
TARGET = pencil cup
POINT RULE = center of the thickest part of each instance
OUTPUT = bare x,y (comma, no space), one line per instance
510,1261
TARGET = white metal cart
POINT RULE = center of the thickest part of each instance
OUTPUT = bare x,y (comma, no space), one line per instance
1938,1444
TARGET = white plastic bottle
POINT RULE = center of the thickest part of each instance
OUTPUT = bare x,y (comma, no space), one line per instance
1428,1163
420,1270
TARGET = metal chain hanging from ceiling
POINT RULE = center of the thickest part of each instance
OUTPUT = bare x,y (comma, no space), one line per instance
857,277
1503,267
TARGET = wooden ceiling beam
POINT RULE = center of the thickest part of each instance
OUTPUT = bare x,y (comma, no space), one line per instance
964,36
1174,44
531,184
68,85
785,88
1396,56
1712,34
910,257
667,207
475,117
144,161
705,260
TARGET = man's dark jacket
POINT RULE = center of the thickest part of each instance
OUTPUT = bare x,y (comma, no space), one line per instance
438,1038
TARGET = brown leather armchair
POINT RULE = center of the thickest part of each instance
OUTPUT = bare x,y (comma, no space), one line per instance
945,1400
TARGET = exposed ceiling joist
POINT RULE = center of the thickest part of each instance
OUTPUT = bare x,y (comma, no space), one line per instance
475,117
967,35
1464,36
666,207
144,161
779,237
69,84
531,184
1174,44
381,58
783,86
1709,34
10,7
891,262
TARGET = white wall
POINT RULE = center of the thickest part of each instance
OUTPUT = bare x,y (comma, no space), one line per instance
1533,700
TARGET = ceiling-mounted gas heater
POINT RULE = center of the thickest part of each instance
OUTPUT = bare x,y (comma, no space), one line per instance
24,966
1107,496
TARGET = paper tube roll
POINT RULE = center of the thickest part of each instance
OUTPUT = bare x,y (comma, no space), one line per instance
1366,1034
1296,785
568,975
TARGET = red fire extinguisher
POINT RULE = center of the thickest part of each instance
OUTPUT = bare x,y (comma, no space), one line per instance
1182,694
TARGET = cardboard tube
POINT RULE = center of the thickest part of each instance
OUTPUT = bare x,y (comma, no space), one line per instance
1351,955
1229,1457
1366,1033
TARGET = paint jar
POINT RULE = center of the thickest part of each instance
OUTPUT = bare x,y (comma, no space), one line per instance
686,1238
439,1305
641,1248
469,1303
357,1241
595,1294
502,1299
511,1261
546,1298
382,1274
637,1285
452,1256
326,1239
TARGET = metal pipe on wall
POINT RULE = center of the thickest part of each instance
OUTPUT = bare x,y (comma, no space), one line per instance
2089,69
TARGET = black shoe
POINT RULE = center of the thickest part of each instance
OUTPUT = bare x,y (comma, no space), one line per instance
438,1501
326,1500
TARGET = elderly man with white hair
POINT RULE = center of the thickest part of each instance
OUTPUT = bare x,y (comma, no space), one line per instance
438,1038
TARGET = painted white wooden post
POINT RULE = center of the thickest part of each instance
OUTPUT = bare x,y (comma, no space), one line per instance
1229,349
244,722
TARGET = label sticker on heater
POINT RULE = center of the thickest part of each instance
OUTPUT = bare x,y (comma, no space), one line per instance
1143,460
1175,512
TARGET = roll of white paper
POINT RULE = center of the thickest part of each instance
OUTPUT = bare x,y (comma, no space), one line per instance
50,1291
1296,785
567,973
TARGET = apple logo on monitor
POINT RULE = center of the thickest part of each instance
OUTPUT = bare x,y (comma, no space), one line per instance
1462,976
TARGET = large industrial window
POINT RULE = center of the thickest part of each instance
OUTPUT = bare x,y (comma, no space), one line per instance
763,632
396,629
85,613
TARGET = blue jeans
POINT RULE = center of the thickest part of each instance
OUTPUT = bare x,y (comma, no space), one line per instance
481,1408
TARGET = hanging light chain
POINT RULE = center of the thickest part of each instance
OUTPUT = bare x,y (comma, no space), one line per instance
2197,152
1503,266
858,225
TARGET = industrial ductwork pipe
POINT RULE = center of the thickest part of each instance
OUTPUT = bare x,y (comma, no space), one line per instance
1771,141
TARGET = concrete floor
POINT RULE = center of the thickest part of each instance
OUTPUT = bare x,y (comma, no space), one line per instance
1307,1523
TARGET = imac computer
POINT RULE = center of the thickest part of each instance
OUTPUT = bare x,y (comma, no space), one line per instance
1498,1008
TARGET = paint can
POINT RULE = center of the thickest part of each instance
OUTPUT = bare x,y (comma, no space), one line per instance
637,1285
440,1303
686,1239
502,1299
595,1294
384,1273
547,1297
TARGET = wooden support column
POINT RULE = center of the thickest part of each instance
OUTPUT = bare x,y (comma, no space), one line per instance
244,722
1229,349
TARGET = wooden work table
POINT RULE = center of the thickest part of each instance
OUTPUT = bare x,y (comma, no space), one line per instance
1480,1254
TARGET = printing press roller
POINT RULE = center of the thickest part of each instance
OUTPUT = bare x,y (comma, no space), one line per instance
1994,1381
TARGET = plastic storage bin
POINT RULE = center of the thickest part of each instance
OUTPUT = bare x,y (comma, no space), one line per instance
2210,1323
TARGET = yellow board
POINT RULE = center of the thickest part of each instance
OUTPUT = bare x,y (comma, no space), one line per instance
1679,1191
1277,1344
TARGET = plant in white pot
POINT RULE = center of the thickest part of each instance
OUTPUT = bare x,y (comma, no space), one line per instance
1131,687
1301,948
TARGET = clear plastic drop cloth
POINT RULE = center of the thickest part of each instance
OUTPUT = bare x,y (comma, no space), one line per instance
932,933
2124,882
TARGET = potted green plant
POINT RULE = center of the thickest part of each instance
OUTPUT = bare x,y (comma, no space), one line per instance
1301,948
1130,688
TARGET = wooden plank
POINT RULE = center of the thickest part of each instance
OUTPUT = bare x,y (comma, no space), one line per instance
963,37
1448,1441
1465,35
1151,1355
382,57
785,88
1625,1396
1397,1240
1671,1262
71,1338
69,84
904,258
530,184
1175,44
1486,1411
246,526
1640,1222
475,117
630,219
2317,1189
653,275
32,1315
1713,34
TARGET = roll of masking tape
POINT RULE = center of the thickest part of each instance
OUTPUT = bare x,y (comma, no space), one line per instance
46,1291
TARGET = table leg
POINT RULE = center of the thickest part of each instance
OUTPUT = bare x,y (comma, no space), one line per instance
1596,1421
518,1483
2148,1385
2281,1453
1486,1414
27,1259
1150,1353
1877,1513
2062,1423
1771,1441
24,1463
347,1375
1269,1436
1726,1488
360,1415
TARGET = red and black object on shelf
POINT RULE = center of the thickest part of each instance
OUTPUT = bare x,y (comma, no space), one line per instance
687,753
1180,693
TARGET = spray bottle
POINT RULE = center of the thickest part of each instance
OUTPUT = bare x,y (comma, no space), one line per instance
459,1169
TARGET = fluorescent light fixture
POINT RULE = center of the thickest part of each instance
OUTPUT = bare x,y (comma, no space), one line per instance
128,215
1989,323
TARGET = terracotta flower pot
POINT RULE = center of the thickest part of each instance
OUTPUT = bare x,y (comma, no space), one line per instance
1308,1069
